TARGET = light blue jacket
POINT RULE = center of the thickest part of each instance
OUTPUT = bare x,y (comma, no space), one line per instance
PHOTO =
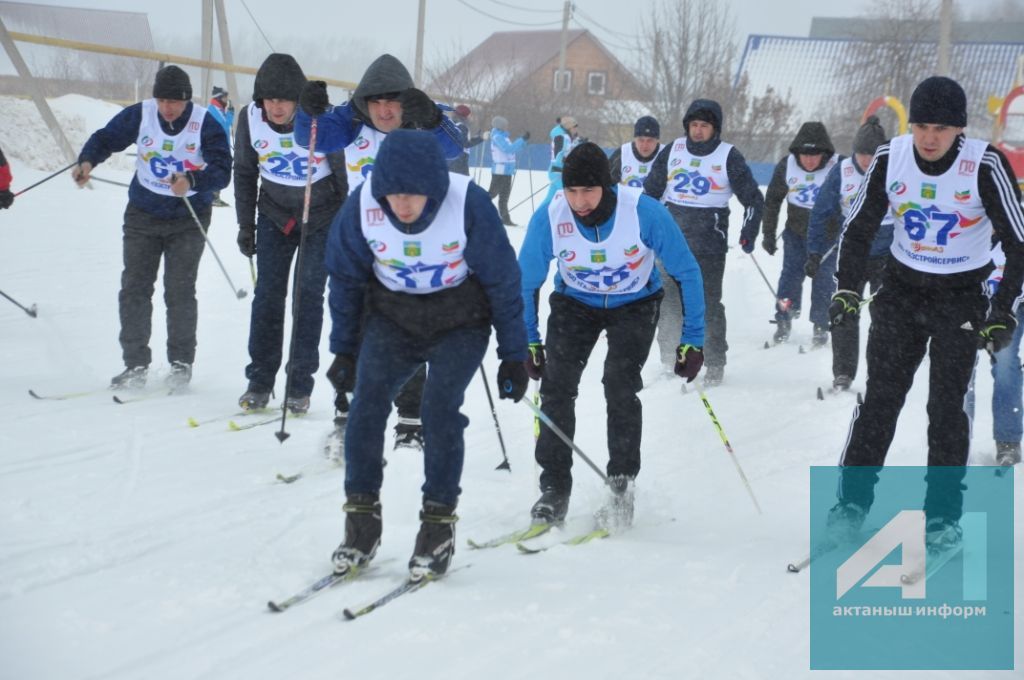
499,138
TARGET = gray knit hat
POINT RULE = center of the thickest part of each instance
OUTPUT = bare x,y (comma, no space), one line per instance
870,136
499,122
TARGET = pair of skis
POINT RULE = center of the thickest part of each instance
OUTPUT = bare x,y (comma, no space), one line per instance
521,537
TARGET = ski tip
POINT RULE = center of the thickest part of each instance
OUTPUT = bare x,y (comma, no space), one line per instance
274,607
118,400
32,393
792,569
32,311
233,426
192,422
288,479
349,616
821,394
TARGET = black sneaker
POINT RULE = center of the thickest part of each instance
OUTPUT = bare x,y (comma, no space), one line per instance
179,376
435,542
409,434
255,398
551,507
820,337
844,522
782,331
133,378
363,528
1007,453
618,511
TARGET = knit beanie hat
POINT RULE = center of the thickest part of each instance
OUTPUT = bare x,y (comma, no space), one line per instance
462,111
586,166
568,123
499,122
219,93
869,137
939,101
172,83
647,126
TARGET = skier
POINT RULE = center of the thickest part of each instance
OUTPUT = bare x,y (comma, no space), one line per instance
460,116
503,157
183,154
932,297
265,150
410,222
605,237
384,96
696,175
564,138
6,195
223,111
797,179
837,194
631,162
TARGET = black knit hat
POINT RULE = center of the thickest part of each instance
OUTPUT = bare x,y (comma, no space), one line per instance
586,166
870,136
939,101
218,93
172,83
647,126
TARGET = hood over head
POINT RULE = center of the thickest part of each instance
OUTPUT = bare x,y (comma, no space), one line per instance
279,77
812,138
386,75
707,110
410,162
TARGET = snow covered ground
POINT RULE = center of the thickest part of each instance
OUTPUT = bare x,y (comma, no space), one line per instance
133,546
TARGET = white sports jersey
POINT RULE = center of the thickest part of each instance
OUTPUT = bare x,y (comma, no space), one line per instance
618,265
941,226
360,154
161,154
281,160
850,183
804,186
419,263
634,170
698,181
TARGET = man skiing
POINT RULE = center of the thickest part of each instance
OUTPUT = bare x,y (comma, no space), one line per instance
949,193
696,175
384,97
835,198
797,179
503,170
564,137
605,238
631,162
420,255
183,156
270,186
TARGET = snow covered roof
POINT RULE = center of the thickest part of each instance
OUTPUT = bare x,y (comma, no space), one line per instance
805,68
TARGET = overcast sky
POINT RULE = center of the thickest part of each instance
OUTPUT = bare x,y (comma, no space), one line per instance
390,25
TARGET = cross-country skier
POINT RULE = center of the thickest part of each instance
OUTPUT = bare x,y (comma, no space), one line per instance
503,169
421,255
605,238
696,175
385,95
631,162
564,137
270,186
834,200
948,193
183,153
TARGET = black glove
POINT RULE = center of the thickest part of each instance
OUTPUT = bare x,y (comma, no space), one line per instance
845,307
512,380
996,332
535,364
419,112
247,239
768,243
747,244
812,265
313,99
689,360
342,373
6,198
526,136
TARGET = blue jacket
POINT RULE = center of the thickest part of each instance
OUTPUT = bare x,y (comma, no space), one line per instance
561,144
658,231
339,127
412,162
500,139
123,130
827,209
225,118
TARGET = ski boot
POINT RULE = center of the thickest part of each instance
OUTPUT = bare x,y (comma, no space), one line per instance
435,542
1007,453
179,376
132,378
551,507
618,512
841,383
782,331
941,534
409,434
844,522
255,398
820,337
713,375
363,528
297,404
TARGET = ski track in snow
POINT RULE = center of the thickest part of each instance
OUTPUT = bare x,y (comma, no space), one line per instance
141,548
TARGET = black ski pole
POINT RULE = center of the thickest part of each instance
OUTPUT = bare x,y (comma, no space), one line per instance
297,281
503,465
47,178
31,311
239,292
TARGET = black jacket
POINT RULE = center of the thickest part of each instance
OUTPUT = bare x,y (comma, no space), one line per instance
616,161
812,138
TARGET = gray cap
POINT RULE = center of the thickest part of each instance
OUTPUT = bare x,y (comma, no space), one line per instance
499,122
